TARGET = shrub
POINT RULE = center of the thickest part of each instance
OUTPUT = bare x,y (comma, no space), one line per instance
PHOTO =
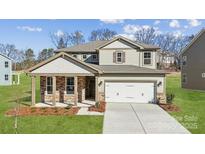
97,104
170,98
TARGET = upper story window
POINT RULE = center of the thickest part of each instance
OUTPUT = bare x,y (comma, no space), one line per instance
147,58
203,75
6,64
70,85
184,60
94,57
49,85
75,55
6,77
119,57
84,56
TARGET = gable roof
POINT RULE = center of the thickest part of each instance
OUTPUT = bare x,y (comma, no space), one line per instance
134,43
62,54
196,37
87,47
93,46
5,56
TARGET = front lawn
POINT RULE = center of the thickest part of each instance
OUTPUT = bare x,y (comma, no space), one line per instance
191,103
41,124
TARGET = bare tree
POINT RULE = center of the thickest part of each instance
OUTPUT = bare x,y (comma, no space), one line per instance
102,34
45,54
60,40
77,38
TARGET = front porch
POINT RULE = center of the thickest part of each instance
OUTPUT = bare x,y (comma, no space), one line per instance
62,91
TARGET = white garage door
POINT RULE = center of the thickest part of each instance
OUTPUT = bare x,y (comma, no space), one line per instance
131,92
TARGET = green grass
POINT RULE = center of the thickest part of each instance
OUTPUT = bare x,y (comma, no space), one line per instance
191,103
41,124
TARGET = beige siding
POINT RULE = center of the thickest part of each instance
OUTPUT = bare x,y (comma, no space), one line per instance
60,65
158,78
131,57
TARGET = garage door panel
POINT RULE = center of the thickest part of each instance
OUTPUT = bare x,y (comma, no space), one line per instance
129,92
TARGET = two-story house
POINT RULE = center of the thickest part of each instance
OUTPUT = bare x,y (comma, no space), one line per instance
5,70
118,70
193,63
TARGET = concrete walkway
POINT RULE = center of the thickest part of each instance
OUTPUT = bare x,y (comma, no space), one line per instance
126,118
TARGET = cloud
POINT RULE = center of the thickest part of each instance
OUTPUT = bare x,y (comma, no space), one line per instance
177,34
194,22
157,22
59,33
132,29
112,21
30,29
129,36
174,24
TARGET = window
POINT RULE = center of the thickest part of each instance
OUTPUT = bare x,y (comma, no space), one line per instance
6,64
203,75
84,56
184,60
94,56
70,85
6,77
75,56
119,57
49,85
184,78
147,58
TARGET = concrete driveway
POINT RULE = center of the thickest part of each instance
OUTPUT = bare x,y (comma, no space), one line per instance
127,118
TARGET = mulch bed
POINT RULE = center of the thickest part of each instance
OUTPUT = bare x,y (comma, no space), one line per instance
29,111
100,108
170,107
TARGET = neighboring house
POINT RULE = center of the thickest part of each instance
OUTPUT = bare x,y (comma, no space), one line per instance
166,59
5,70
193,63
125,72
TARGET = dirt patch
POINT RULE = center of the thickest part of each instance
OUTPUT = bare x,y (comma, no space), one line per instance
98,108
170,107
28,111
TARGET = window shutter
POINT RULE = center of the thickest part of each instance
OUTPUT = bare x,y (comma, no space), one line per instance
114,57
123,57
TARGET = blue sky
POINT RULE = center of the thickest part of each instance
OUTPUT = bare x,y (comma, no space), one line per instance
35,33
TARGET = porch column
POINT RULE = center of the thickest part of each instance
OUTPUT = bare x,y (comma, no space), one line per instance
76,90
33,90
54,91
96,89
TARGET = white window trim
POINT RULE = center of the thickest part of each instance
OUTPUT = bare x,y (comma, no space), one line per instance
203,75
65,92
95,56
84,55
119,62
46,85
7,64
7,77
147,58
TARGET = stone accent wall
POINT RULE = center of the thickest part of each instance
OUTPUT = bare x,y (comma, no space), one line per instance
60,87
101,96
61,95
81,88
